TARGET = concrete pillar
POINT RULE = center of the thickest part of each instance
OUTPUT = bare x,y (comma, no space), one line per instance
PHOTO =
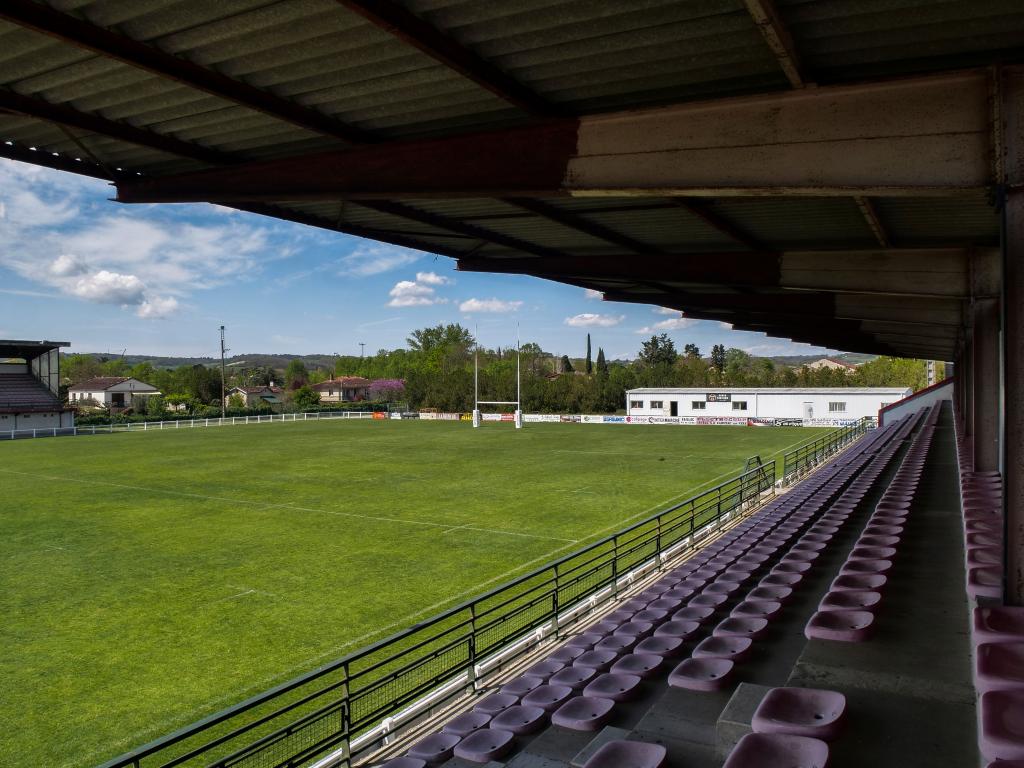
968,394
1011,101
986,377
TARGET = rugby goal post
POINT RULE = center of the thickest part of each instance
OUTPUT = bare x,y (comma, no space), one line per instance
477,402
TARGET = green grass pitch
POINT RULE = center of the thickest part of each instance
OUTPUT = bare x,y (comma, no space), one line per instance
147,580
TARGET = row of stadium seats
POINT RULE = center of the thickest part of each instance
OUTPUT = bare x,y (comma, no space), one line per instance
690,628
25,391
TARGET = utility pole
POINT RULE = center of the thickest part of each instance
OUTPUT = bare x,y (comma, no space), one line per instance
362,348
223,377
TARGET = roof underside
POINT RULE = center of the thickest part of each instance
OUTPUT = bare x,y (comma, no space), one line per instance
158,88
27,350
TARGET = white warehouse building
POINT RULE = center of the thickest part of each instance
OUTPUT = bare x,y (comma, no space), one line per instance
808,406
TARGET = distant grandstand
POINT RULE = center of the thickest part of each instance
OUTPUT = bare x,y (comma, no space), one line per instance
30,387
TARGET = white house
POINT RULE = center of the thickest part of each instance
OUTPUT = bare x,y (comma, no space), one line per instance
824,406
110,391
346,389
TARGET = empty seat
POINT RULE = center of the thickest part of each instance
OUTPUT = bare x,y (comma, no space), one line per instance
997,625
766,609
677,628
574,677
520,720
567,654
521,685
584,713
586,640
495,703
698,613
860,567
643,665
1002,725
777,750
663,645
864,582
849,600
466,723
485,745
628,754
731,647
842,626
617,687
435,748
547,697
999,666
985,581
545,669
711,673
405,762
781,580
599,660
802,712
741,626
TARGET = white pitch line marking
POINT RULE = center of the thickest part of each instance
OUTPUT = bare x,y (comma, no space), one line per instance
264,505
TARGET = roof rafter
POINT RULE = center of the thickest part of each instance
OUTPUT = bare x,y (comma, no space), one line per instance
574,221
71,29
775,33
410,28
867,210
701,210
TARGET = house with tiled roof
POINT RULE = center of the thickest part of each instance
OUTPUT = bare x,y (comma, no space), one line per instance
344,389
258,396
114,392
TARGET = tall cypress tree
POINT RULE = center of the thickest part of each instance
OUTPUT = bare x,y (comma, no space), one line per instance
602,364
590,365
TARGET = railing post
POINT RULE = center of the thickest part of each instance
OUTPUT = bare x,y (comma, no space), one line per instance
472,645
615,565
554,604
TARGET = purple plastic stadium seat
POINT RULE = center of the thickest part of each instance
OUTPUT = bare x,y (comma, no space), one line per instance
777,593
599,660
545,669
617,643
849,600
865,582
808,546
999,666
617,687
520,720
584,713
635,628
1002,725
435,748
861,552
677,628
723,587
466,723
567,654
574,677
741,626
998,625
777,750
628,754
702,674
731,647
986,581
842,626
662,645
485,745
878,541
765,609
651,614
666,604
547,697
698,613
984,557
790,566
495,703
801,712
861,567
710,600
586,640
781,580
405,762
643,665
520,685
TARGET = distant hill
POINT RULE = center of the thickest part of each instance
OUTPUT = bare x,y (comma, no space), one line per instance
253,360
795,361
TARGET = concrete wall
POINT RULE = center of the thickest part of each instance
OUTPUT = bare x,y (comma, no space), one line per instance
13,368
20,421
925,398
765,404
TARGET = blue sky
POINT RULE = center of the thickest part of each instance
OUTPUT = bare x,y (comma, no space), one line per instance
159,280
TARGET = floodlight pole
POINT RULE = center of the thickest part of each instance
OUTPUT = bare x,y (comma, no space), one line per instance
223,377
476,380
519,387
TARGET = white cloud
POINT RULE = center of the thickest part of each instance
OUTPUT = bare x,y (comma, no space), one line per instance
489,305
590,293
672,324
665,311
432,278
373,259
419,292
158,306
108,288
591,319
58,231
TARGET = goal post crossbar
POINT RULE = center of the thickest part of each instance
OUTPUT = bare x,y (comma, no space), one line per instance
497,402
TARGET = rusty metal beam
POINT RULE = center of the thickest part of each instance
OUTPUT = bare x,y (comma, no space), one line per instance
397,20
918,136
867,210
777,36
71,29
57,161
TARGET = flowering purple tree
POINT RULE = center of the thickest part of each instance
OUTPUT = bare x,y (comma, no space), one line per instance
387,389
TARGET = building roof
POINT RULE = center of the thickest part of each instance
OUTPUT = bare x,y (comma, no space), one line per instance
27,350
832,360
481,131
102,383
349,382
256,390
770,390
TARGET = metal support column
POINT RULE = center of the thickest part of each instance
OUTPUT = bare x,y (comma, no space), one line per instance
985,373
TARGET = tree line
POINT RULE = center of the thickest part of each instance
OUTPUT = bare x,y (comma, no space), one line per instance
436,370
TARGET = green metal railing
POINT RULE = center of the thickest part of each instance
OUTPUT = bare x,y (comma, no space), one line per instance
323,711
800,460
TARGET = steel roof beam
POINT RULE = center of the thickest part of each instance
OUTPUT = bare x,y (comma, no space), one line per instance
918,136
867,210
71,29
777,36
574,221
397,20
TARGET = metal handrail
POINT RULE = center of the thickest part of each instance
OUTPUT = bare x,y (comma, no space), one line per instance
289,725
802,458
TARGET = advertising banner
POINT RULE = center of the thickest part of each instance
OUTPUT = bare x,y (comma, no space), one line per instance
718,397
638,419
735,421
508,417
379,415
589,419
613,419
663,419
396,416
573,418
537,418
466,417
429,416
